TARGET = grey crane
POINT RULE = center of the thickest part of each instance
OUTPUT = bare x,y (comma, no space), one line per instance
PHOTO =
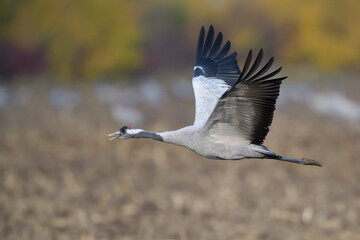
234,108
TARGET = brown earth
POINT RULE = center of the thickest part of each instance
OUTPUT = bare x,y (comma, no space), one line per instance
61,179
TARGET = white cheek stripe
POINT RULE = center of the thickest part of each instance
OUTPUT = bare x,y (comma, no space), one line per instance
134,131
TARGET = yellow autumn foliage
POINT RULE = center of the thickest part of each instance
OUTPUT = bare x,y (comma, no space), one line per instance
323,33
93,38
81,38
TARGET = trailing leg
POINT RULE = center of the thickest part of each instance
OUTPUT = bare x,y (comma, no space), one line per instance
303,161
271,155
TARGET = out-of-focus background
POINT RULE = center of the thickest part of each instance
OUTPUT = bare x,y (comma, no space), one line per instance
73,71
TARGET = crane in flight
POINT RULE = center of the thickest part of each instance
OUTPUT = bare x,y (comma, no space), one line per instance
234,108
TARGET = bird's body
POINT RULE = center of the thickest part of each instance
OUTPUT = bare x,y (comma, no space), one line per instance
195,139
234,108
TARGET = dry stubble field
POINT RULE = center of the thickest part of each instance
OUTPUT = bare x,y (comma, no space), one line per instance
61,179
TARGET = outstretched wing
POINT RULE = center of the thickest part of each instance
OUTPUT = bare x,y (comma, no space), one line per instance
214,73
245,112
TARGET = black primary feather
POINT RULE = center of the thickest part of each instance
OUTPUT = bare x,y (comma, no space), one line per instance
255,64
212,62
247,108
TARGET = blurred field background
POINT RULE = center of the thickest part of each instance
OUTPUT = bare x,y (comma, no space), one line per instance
73,71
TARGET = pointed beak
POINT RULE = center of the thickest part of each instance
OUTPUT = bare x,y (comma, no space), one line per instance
114,135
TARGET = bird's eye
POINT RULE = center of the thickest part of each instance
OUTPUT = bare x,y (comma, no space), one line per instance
124,129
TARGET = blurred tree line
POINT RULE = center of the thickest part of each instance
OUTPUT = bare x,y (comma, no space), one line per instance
89,39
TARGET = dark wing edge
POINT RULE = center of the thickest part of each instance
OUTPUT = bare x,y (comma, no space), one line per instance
212,62
249,105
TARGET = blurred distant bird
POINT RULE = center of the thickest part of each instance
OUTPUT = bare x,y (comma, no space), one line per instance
234,108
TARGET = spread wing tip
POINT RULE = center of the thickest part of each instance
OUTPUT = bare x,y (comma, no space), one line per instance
250,73
212,59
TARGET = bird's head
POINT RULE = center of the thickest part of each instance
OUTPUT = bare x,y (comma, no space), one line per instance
123,133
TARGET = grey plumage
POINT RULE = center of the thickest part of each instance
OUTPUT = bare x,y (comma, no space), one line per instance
247,108
234,108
